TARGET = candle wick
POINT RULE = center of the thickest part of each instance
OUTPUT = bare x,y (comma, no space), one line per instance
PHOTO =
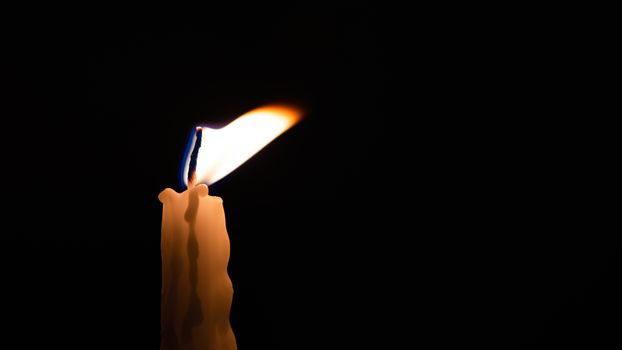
191,180
193,157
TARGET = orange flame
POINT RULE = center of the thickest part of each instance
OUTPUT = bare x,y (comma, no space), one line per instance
224,150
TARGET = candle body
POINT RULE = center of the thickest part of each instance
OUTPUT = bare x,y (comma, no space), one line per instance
196,289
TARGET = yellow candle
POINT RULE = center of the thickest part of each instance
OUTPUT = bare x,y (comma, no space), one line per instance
196,290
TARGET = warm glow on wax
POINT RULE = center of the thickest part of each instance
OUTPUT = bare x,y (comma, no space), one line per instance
224,150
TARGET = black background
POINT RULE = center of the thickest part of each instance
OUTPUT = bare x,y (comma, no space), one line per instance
444,187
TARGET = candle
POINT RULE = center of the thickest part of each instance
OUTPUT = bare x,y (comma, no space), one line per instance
196,289
197,292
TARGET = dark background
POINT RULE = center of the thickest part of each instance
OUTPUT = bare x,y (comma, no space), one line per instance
444,187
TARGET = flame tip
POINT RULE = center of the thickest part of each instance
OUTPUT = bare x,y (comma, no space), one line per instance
288,109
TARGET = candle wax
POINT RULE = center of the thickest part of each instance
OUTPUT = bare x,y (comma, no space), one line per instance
196,289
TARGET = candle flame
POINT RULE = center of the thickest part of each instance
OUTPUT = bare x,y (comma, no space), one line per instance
224,150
